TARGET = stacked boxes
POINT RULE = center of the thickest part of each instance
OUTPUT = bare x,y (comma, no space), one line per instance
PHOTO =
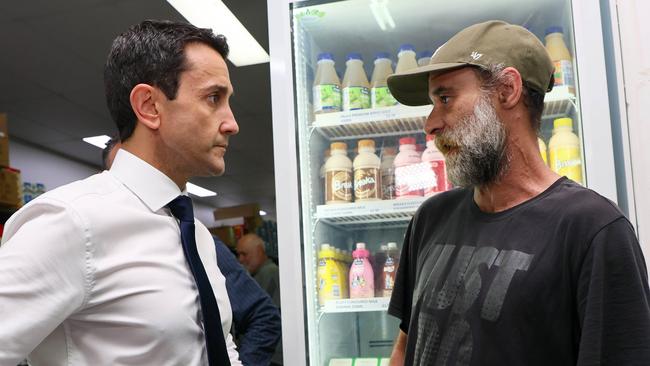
10,186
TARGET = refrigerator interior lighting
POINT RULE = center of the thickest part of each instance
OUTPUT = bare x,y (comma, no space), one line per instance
99,141
214,14
262,213
381,14
199,191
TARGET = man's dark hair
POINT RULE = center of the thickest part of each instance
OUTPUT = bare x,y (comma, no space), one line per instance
110,145
533,99
152,52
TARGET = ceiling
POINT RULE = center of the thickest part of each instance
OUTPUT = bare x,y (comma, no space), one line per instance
51,86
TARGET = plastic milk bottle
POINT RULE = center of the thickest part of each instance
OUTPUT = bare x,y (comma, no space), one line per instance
424,57
362,281
356,89
338,175
327,87
436,180
407,169
367,173
564,150
389,270
380,96
406,58
329,275
561,57
388,173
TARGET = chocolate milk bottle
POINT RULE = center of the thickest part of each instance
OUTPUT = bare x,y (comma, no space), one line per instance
388,173
338,175
367,175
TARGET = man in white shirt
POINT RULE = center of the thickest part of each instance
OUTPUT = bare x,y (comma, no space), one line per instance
95,272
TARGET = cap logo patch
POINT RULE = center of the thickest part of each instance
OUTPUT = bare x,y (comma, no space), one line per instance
475,55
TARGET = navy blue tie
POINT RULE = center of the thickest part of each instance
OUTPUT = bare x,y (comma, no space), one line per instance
181,208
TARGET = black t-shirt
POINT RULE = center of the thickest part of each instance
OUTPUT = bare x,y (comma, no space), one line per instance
557,280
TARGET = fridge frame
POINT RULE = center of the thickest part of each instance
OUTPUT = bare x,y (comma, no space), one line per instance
596,130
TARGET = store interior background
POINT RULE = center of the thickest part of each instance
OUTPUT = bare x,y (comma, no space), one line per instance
51,74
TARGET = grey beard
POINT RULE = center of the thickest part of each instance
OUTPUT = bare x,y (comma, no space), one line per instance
480,157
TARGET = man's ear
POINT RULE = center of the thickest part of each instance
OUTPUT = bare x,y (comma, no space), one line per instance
511,89
143,102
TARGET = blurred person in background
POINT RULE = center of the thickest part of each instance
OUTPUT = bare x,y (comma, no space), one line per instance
252,255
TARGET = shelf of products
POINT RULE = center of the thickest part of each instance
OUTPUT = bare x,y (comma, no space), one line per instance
385,212
356,305
404,120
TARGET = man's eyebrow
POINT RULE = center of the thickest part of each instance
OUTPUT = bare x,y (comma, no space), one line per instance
220,88
442,90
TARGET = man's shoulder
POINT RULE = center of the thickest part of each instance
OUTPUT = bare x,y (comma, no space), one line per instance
96,185
269,268
443,202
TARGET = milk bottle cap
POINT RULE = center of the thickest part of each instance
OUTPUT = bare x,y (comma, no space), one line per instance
431,137
382,55
338,146
366,143
554,29
354,56
324,246
325,56
563,122
407,141
406,47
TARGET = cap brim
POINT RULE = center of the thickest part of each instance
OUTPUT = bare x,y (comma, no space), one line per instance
412,87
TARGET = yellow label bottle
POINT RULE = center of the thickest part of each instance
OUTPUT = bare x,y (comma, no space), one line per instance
329,275
564,150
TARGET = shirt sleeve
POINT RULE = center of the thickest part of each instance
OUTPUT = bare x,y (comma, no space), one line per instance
43,275
400,301
613,300
254,314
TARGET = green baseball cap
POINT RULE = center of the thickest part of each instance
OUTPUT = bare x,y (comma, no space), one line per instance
491,43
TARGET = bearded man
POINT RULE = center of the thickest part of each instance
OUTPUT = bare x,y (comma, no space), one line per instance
518,266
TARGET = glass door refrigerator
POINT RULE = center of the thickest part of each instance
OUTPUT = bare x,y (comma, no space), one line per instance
341,220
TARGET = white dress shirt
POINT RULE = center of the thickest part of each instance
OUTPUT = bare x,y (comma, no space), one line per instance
93,273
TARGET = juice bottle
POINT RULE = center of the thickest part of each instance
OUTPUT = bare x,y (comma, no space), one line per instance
388,173
564,150
407,170
424,57
378,266
380,96
356,89
406,58
367,178
436,180
327,86
362,281
560,56
542,150
389,270
329,275
338,175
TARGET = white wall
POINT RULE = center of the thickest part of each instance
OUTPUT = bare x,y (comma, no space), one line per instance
633,31
41,166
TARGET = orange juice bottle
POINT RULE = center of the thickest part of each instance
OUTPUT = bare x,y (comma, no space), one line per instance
561,57
564,148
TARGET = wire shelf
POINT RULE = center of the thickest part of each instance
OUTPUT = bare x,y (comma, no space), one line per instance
560,102
355,305
386,213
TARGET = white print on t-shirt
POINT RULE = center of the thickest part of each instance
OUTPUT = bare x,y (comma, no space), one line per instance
460,290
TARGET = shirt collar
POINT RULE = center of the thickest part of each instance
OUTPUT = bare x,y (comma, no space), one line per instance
149,184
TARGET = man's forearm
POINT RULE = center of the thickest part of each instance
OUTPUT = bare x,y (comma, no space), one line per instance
397,357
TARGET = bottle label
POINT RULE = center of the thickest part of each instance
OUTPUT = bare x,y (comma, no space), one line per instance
409,179
327,98
388,184
563,73
356,97
328,282
381,97
567,161
436,179
338,186
366,181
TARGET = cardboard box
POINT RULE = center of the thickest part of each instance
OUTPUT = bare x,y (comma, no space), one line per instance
4,141
247,210
10,188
